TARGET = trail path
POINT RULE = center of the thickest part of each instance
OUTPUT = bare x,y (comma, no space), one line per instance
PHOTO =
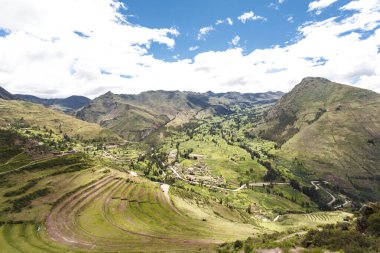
165,190
318,186
291,235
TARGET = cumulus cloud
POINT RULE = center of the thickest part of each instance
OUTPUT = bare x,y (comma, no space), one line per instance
66,46
319,5
114,55
247,16
204,31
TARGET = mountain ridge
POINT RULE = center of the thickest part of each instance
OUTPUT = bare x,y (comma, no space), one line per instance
333,131
68,104
4,94
136,116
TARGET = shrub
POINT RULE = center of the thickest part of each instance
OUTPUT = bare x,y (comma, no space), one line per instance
374,224
23,189
238,244
20,203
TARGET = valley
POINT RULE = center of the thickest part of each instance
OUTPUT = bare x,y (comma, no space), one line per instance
188,172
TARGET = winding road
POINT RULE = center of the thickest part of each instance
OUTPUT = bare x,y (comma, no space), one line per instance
318,186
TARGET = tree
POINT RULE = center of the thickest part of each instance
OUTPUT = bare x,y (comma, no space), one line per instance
374,224
295,184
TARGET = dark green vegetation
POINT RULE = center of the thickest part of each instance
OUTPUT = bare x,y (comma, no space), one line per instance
208,171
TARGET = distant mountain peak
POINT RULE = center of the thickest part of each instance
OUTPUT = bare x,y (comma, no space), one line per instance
315,78
4,94
311,79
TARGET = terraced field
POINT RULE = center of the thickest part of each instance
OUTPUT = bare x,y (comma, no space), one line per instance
317,218
115,214
27,237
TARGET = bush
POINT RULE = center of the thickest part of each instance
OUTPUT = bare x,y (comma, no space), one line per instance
72,168
58,161
20,203
23,189
332,238
238,244
374,224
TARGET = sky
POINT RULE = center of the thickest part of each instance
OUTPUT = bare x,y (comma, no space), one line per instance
58,48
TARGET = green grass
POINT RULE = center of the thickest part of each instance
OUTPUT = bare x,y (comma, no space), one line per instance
27,237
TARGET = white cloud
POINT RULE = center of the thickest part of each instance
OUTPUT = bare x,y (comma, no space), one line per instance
281,1
235,41
290,19
204,31
249,16
193,48
44,56
228,21
219,22
54,61
319,5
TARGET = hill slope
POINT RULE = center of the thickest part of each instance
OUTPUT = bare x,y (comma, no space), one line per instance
20,112
4,94
334,132
136,116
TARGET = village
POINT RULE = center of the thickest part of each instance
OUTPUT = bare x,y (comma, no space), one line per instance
198,173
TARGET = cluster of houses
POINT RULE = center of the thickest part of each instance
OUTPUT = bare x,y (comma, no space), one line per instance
199,172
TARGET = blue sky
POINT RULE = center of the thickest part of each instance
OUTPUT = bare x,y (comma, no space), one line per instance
189,16
56,48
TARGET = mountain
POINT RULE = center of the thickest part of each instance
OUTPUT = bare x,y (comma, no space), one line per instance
4,94
69,104
136,116
333,131
22,113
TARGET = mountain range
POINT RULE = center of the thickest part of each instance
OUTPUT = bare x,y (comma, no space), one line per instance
136,116
326,130
68,105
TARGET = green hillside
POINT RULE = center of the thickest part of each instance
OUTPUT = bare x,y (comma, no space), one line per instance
330,131
26,114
